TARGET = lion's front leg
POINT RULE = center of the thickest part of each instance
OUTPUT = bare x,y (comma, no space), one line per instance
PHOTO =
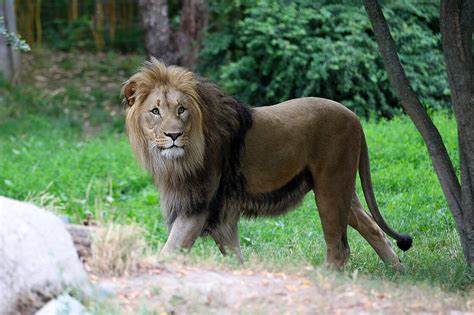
184,232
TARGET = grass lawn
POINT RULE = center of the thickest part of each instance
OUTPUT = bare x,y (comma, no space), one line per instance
63,145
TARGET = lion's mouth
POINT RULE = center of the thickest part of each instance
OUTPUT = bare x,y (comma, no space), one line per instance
172,147
172,152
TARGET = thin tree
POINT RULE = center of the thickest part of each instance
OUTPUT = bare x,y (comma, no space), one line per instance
457,25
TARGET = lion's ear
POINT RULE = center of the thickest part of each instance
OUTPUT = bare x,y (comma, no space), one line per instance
128,91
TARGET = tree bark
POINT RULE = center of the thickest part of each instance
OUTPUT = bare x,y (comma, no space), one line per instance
157,31
180,47
457,25
82,238
194,19
437,151
9,57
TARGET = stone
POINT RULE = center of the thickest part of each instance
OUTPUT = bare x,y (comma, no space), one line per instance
63,304
38,260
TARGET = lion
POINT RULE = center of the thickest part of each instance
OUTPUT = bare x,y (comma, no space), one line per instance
214,159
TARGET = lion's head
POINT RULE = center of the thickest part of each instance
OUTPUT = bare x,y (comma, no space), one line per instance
164,118
179,124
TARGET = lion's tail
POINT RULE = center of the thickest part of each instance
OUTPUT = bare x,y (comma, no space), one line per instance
404,241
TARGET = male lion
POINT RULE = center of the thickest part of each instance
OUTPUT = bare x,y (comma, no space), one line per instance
214,159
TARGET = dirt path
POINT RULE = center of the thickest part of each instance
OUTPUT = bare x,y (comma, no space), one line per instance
178,289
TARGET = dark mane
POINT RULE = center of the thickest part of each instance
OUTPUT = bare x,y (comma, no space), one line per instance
237,118
231,191
279,201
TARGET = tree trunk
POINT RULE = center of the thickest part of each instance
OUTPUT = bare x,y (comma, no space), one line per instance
82,238
457,25
180,47
157,31
194,19
38,26
9,57
437,151
73,11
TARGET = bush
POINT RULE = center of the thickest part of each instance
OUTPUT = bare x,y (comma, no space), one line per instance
280,50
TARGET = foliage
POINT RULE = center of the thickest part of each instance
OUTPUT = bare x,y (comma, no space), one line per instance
280,50
81,25
64,35
50,156
265,52
76,35
12,39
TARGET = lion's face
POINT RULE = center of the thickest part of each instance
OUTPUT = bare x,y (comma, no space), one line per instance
167,120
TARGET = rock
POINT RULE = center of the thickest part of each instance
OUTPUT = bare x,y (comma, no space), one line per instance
63,304
64,218
38,260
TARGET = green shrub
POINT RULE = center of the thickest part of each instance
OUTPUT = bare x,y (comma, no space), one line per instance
280,50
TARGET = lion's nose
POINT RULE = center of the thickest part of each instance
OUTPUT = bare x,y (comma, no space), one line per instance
174,136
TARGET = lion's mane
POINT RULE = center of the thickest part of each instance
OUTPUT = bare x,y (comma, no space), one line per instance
210,173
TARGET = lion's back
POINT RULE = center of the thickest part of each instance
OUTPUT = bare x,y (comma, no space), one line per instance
285,138
314,109
301,120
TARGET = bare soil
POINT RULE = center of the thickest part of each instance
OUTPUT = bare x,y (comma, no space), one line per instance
183,289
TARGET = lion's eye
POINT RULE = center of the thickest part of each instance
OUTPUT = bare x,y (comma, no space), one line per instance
181,110
155,111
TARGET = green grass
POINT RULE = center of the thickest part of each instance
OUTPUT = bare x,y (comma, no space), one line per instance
46,148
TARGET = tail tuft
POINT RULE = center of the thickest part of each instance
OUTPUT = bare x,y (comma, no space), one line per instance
405,242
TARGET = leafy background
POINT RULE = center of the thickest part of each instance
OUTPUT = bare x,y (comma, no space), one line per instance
277,50
268,51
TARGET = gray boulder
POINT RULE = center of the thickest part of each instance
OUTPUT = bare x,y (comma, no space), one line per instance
38,260
63,304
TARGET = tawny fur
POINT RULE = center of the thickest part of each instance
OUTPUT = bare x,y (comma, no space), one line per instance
214,159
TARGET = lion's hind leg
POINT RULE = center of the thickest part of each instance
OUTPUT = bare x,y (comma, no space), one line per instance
220,244
360,220
335,229
227,236
333,211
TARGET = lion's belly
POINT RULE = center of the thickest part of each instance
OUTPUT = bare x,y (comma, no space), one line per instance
279,167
